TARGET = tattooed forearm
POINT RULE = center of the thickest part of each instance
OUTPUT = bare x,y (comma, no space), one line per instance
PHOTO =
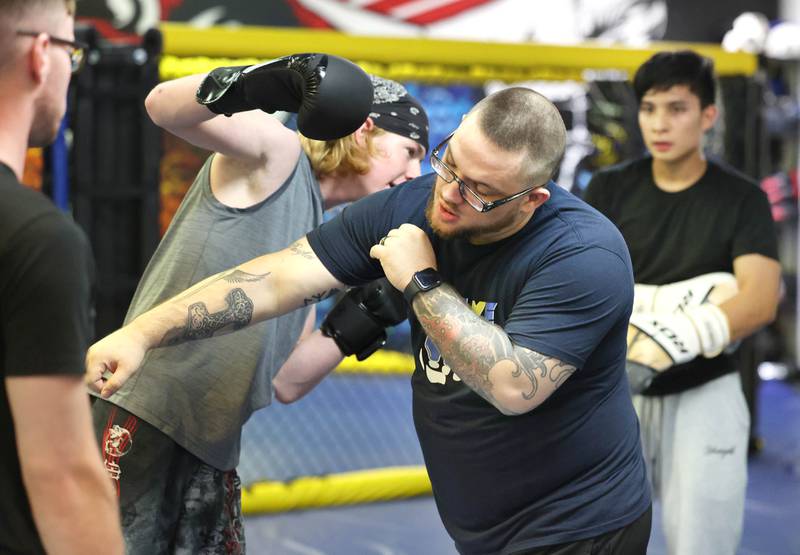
317,297
530,363
230,276
470,345
483,356
200,323
238,276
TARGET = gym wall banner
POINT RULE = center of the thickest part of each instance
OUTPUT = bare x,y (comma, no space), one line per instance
568,21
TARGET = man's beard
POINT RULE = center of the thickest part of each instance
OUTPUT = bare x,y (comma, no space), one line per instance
45,126
436,229
467,233
48,114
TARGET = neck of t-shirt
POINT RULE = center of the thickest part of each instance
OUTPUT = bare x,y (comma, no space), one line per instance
8,164
678,175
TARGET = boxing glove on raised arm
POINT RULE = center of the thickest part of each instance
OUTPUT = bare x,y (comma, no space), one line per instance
358,321
331,96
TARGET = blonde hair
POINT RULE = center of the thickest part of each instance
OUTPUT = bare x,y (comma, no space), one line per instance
341,156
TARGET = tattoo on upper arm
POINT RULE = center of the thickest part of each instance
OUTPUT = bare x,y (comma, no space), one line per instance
317,297
201,323
299,248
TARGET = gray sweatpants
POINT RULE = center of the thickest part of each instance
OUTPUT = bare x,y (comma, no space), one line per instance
695,445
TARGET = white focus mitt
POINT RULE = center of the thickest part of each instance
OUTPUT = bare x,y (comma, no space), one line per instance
675,323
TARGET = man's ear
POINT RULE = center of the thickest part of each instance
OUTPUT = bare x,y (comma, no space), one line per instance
38,57
709,117
535,199
362,132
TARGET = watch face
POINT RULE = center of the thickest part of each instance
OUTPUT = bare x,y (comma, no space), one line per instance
427,279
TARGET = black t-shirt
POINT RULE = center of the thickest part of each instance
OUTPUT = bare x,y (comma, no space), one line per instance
571,468
46,273
678,236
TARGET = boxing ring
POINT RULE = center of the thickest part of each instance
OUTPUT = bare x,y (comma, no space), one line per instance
352,440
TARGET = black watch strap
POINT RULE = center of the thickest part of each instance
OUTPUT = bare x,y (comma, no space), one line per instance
424,280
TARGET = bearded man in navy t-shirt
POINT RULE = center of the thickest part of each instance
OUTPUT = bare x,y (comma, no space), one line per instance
520,296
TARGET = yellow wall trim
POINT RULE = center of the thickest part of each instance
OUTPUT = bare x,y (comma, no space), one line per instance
441,56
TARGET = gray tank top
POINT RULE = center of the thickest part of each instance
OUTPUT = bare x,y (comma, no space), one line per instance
201,393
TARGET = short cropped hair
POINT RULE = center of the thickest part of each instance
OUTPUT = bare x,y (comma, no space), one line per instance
14,12
17,9
341,156
683,67
519,119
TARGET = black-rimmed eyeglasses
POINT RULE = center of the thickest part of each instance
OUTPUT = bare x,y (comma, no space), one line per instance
74,48
471,197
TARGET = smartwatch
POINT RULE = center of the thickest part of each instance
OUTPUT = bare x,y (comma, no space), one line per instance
424,280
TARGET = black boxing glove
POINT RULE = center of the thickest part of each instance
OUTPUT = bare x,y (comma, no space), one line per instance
358,321
331,96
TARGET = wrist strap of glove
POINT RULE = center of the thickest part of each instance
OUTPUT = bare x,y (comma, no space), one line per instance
357,322
712,328
222,92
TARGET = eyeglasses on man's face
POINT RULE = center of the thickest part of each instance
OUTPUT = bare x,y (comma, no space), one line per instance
75,49
471,197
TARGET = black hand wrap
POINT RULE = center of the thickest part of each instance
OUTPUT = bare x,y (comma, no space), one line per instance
358,321
331,96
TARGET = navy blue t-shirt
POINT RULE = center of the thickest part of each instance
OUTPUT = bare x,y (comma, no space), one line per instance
562,286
